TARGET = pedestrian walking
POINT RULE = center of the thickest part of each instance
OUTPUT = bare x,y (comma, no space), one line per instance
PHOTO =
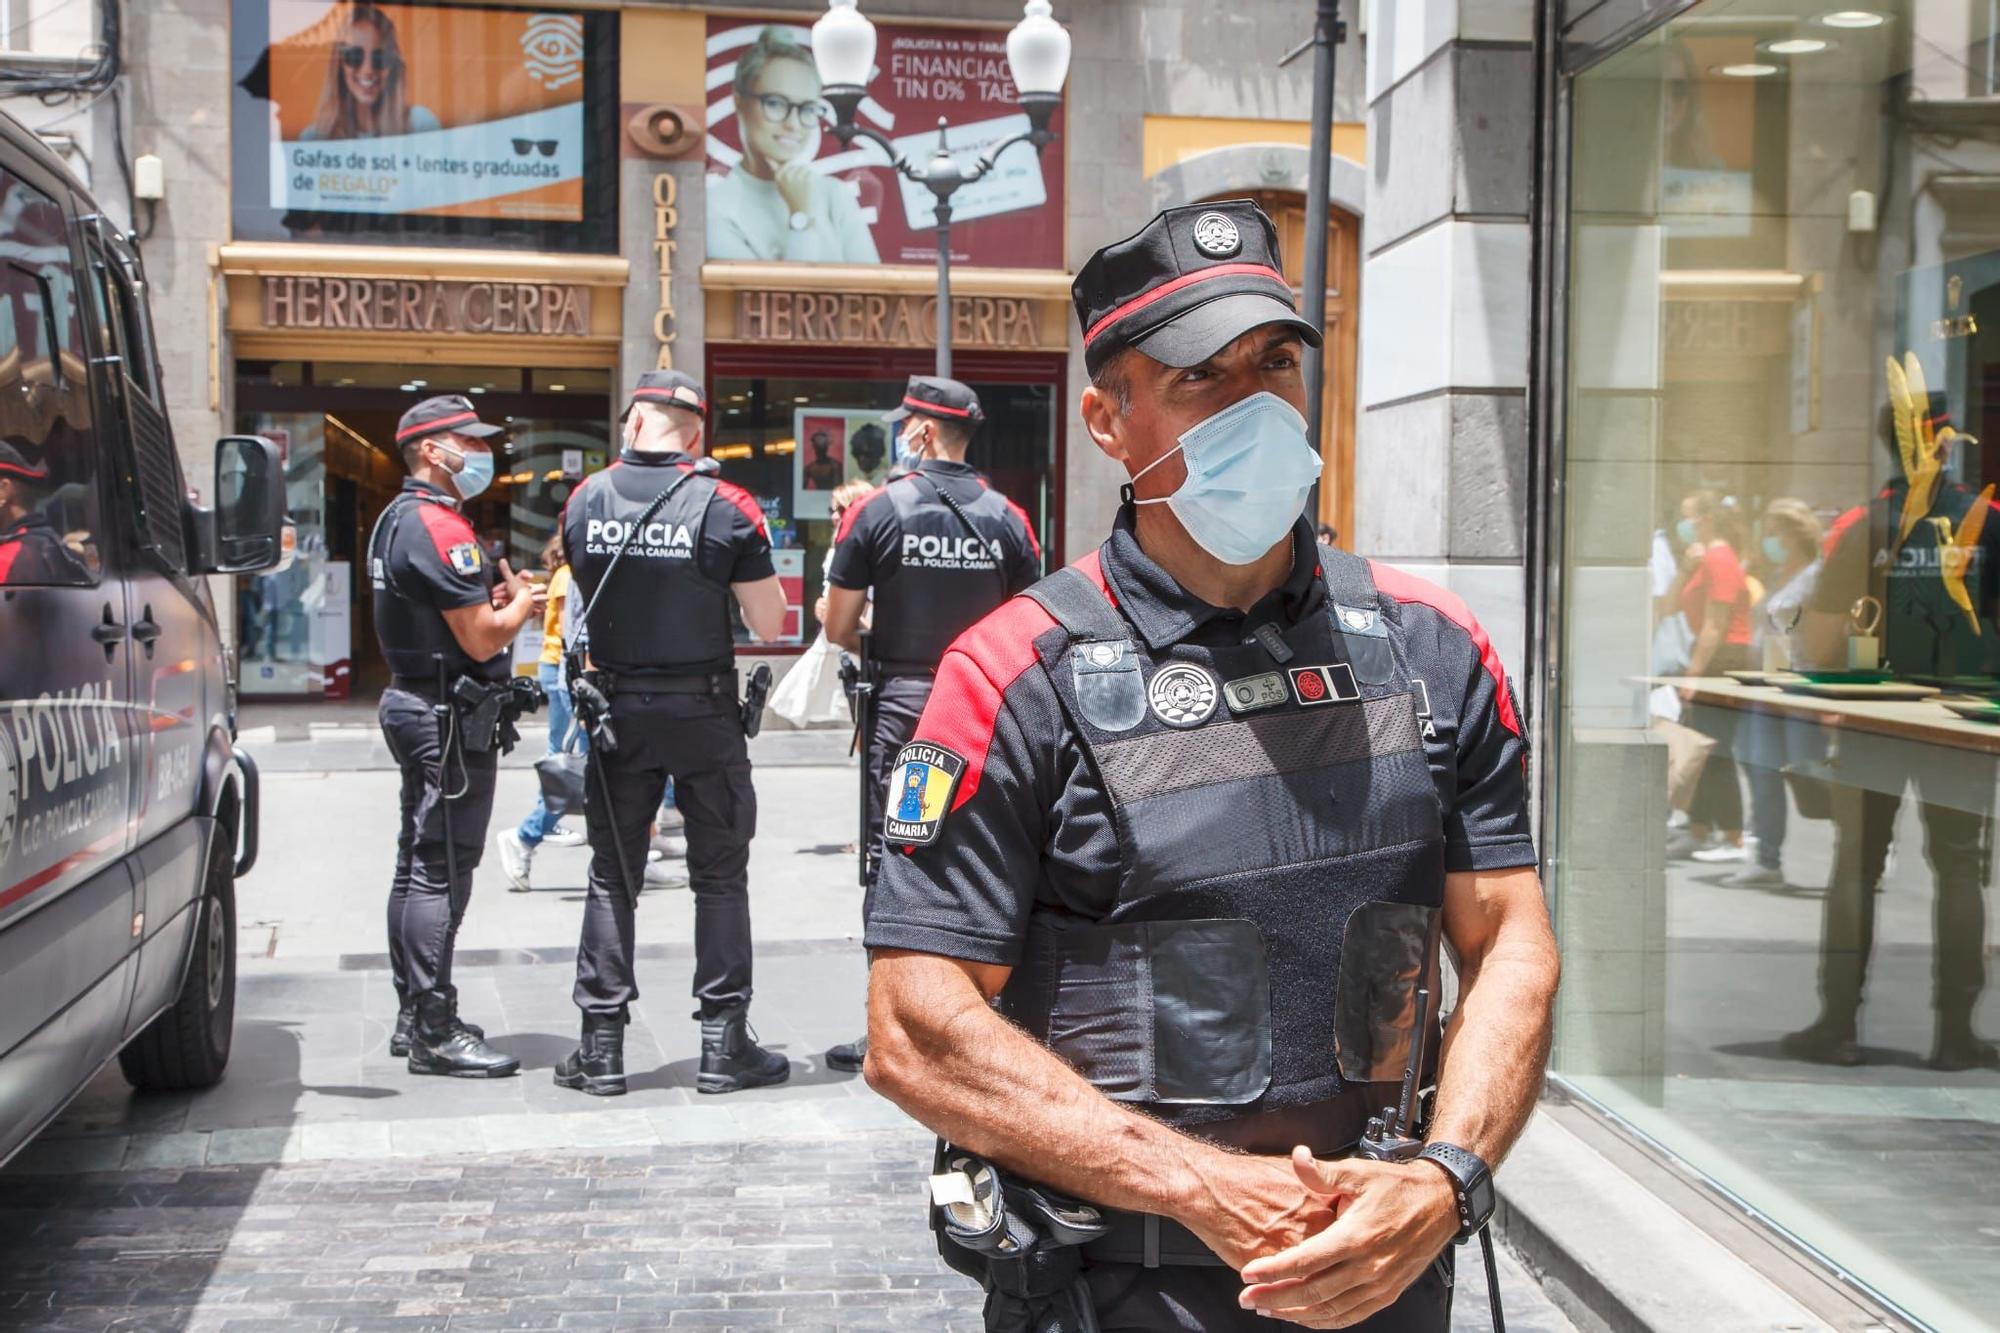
517,845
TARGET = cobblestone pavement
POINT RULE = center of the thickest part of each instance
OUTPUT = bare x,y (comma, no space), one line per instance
793,1233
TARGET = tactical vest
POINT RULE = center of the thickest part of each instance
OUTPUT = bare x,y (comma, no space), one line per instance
1281,856
951,571
413,634
660,613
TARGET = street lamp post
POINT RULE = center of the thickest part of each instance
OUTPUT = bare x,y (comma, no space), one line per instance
1038,52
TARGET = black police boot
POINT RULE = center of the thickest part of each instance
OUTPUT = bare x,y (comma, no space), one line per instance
597,1065
406,1022
1958,1047
731,1060
849,1055
439,1044
1827,1042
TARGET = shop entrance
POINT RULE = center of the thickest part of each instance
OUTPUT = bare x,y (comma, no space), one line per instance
307,632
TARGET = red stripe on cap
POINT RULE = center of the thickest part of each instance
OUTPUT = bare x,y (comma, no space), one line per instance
442,423
1409,588
939,408
1181,283
23,471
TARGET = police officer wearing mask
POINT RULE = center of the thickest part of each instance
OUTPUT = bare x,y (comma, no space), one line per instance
1194,813
940,549
657,635
443,617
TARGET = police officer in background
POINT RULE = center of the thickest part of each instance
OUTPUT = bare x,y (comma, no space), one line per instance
443,618
1195,813
657,635
941,549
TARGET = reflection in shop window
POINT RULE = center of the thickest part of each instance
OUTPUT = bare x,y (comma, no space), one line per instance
1781,607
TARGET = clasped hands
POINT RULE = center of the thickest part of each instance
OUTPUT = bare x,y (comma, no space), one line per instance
1324,1244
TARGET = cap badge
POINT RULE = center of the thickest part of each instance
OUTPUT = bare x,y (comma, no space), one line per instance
1216,236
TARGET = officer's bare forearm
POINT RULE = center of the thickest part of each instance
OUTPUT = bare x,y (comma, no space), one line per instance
844,616
484,630
1498,1043
939,1051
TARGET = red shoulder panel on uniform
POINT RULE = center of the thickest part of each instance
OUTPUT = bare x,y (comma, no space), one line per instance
1409,588
10,551
976,671
446,526
1027,524
853,514
745,502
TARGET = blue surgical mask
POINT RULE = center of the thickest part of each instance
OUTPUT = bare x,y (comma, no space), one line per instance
475,475
1249,470
1685,530
1774,550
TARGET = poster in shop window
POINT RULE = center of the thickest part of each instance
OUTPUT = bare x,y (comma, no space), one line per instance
782,188
836,445
398,109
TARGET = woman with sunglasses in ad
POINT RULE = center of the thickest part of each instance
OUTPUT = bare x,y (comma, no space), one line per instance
366,95
774,205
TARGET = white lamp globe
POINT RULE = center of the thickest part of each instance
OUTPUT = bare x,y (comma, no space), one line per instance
1037,50
843,43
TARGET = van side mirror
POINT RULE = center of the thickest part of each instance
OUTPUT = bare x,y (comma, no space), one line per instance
245,529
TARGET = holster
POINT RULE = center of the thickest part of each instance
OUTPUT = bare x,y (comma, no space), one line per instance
1018,1239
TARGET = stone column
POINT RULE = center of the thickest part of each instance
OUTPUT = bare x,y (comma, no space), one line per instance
1441,459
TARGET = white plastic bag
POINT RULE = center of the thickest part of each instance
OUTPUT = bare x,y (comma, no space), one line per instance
810,691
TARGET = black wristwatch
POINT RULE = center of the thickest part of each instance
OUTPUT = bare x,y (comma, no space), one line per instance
1471,1181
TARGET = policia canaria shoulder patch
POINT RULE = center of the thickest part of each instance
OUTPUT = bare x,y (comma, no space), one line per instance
920,791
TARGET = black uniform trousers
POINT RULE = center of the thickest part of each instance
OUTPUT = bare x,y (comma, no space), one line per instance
899,702
1127,1298
697,740
426,902
1958,843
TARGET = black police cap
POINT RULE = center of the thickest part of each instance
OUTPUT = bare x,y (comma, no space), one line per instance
14,464
441,413
670,388
936,396
1185,286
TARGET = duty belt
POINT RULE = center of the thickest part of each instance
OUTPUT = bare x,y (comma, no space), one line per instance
1150,1241
663,682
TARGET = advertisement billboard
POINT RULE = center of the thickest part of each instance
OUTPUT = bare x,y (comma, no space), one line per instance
781,188
413,116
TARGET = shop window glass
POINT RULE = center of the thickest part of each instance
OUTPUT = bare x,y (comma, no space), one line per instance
49,515
417,123
793,443
1780,624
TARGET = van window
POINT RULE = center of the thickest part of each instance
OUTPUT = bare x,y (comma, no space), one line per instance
161,492
50,520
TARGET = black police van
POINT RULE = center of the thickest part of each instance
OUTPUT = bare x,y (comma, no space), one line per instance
126,811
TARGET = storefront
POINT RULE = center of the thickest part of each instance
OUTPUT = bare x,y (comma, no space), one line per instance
1768,447
424,201
402,229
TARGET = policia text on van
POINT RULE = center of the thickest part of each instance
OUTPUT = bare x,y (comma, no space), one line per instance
126,812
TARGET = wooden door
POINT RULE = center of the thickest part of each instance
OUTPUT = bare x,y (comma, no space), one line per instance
1343,292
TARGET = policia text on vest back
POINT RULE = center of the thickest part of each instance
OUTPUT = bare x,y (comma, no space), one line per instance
655,543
